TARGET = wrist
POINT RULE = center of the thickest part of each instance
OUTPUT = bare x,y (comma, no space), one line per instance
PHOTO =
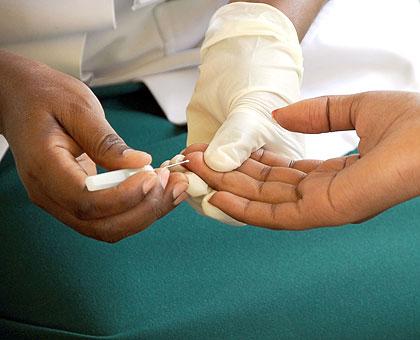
9,66
300,12
15,83
4,56
244,19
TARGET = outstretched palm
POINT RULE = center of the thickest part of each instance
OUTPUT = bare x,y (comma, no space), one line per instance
270,191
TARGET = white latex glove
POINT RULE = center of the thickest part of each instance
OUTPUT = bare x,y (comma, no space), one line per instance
251,64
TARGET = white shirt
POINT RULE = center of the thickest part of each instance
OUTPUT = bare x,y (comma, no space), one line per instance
352,46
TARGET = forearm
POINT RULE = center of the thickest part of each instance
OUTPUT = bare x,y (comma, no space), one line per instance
300,12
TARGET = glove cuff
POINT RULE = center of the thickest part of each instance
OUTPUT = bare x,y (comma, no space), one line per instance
253,19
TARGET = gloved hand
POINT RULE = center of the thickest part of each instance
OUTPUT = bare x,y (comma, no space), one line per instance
251,64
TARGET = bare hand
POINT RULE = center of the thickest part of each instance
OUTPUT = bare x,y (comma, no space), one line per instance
57,131
277,193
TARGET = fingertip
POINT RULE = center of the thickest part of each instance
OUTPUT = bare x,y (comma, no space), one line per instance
281,116
181,198
165,164
194,155
136,157
219,198
196,185
163,175
221,161
213,199
275,114
150,183
194,147
178,189
195,159
218,213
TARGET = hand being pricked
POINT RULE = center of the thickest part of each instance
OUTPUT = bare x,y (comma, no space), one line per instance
255,191
278,193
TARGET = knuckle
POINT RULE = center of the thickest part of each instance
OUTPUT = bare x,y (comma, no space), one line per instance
265,172
157,209
259,154
298,192
177,177
291,164
328,110
223,183
259,189
273,212
86,101
292,192
245,210
110,142
356,102
84,210
294,178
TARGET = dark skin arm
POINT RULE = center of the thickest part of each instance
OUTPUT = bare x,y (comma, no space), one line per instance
300,12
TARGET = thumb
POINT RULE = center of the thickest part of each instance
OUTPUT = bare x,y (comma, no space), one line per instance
238,137
100,141
317,115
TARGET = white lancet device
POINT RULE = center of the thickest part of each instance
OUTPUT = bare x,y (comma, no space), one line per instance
113,178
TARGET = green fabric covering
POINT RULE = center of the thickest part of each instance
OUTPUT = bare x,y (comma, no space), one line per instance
190,277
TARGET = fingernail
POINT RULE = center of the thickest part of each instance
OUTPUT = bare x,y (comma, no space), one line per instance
181,198
179,189
163,175
177,158
165,164
149,184
128,151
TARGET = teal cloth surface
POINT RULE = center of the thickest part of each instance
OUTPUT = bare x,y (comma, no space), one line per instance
189,277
